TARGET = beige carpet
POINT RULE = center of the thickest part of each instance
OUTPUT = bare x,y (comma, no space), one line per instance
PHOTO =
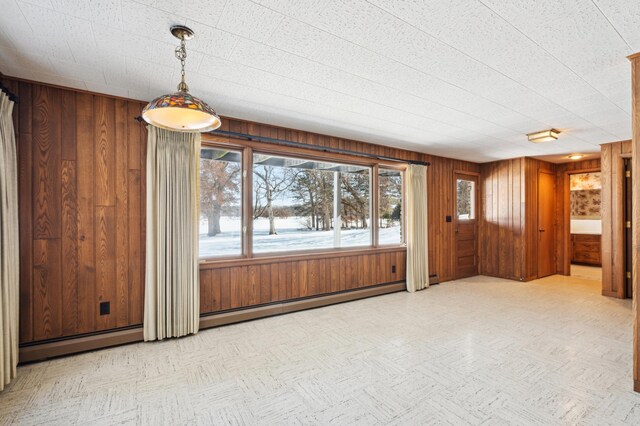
475,351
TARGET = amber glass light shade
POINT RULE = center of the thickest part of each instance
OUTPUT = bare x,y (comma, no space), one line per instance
181,112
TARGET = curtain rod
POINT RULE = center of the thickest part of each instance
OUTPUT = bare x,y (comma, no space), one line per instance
5,89
284,142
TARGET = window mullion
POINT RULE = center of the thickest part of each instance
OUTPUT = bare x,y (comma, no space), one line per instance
337,219
247,196
373,205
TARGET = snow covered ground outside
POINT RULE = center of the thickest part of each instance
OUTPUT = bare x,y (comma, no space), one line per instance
292,235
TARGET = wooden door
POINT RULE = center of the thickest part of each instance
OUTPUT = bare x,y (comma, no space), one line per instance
466,225
546,223
628,244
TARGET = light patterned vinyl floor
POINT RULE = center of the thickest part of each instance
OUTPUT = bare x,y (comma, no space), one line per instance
474,351
587,272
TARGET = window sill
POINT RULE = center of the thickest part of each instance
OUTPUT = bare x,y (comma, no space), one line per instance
260,259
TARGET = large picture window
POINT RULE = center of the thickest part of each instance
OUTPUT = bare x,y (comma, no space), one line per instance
296,204
390,212
220,202
303,204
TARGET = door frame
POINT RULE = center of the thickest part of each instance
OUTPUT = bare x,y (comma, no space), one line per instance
454,201
627,243
566,216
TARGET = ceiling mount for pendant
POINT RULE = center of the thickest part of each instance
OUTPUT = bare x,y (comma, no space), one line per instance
182,33
181,111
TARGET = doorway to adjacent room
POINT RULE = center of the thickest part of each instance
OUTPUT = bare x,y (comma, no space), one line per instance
585,224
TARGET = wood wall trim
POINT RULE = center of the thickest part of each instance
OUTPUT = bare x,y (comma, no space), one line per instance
297,256
9,78
465,172
635,222
42,351
563,209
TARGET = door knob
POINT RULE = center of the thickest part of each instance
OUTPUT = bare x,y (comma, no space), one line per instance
540,230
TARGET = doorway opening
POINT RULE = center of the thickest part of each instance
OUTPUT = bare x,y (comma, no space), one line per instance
585,224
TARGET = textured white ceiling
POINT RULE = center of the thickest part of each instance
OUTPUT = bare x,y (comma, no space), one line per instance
463,78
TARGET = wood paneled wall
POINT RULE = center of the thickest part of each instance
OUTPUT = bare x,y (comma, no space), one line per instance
502,219
441,203
81,202
82,220
244,283
440,183
563,243
509,218
613,234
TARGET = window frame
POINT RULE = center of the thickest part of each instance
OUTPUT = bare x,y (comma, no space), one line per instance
249,147
372,230
403,216
473,202
243,183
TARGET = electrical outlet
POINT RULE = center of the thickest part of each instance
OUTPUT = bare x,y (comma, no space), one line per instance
105,308
393,269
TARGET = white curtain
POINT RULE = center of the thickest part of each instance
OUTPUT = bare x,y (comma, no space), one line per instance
9,263
172,287
417,236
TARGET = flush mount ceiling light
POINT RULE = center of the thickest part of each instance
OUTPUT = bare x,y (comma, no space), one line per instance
543,136
575,156
181,111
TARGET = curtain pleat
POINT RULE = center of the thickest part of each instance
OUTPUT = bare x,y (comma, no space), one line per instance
417,232
172,285
9,249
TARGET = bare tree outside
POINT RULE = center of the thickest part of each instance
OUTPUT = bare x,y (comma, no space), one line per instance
464,197
294,203
219,190
313,192
268,185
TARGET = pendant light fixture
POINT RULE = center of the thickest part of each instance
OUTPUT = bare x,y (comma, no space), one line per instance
181,111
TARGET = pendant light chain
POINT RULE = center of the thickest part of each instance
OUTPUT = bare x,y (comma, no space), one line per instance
181,54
